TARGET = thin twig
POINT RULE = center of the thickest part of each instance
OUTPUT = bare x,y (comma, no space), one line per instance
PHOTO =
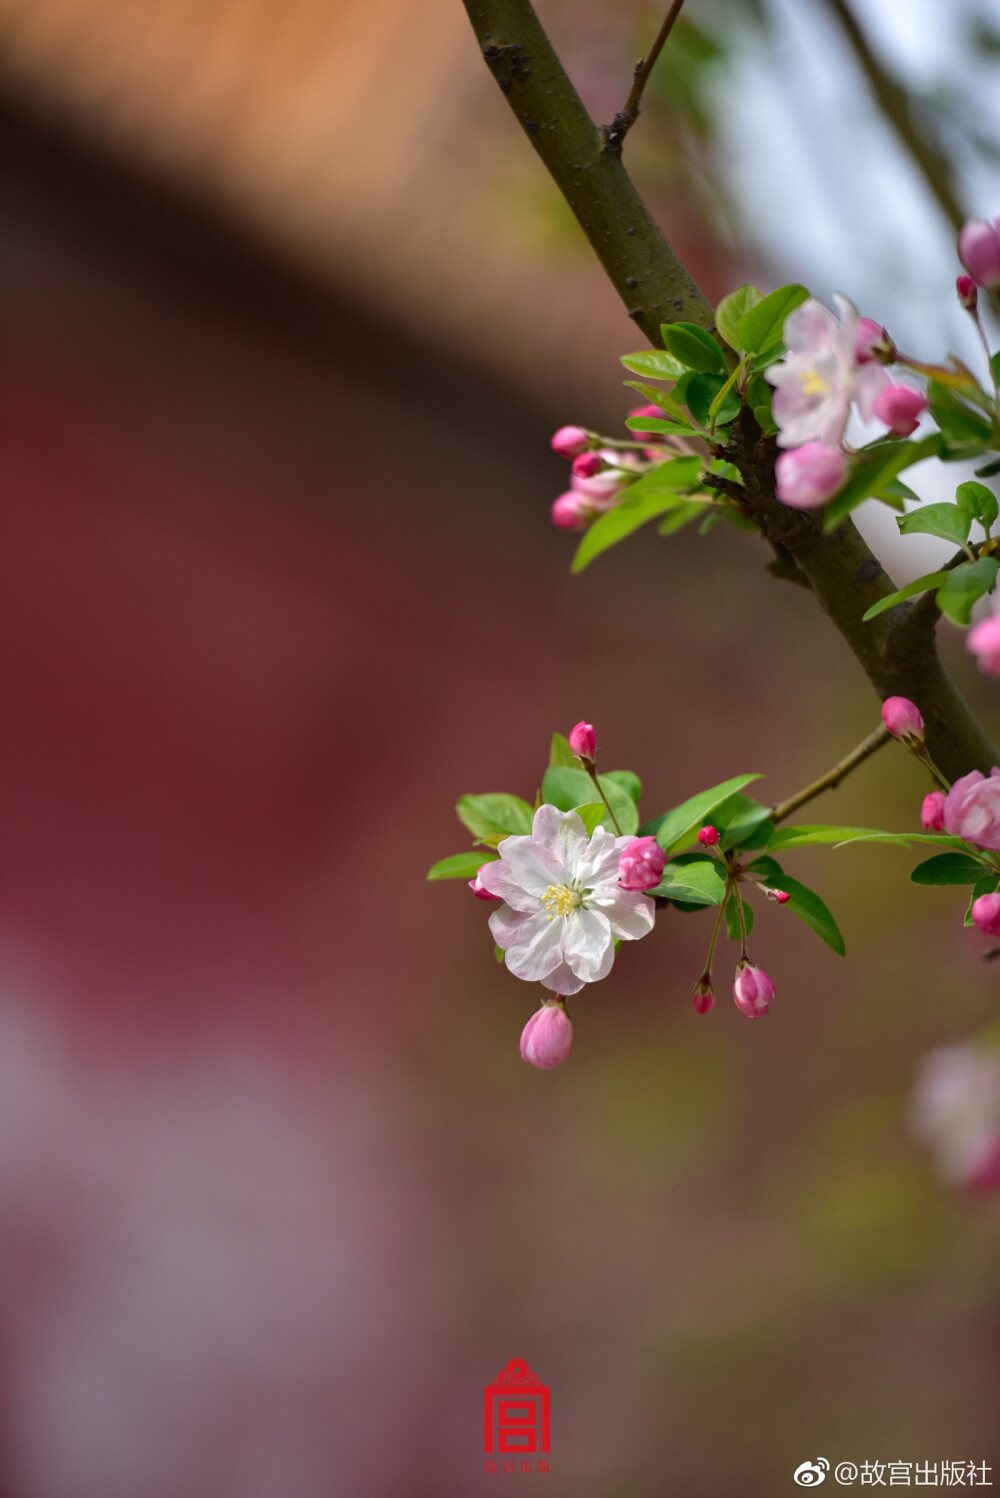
615,133
875,740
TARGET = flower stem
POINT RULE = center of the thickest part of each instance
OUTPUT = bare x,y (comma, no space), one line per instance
607,803
715,936
743,924
879,736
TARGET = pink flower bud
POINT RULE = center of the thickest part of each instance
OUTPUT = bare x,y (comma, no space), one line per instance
986,914
983,640
872,342
657,414
752,990
572,511
547,1037
979,252
932,812
703,999
641,864
479,889
968,293
899,406
586,465
810,475
903,720
972,809
602,486
583,742
708,836
776,896
569,441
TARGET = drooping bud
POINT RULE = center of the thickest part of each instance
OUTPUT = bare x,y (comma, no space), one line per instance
979,252
932,812
703,999
708,836
752,990
872,342
986,914
641,864
479,889
547,1037
776,896
983,640
899,407
809,475
903,720
572,511
583,742
586,465
968,292
569,441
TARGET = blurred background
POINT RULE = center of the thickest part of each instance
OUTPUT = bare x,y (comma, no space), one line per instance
288,313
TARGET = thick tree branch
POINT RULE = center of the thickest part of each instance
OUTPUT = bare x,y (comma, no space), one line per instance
896,650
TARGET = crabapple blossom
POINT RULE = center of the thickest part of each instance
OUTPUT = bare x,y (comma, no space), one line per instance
573,511
586,465
708,836
972,809
983,640
641,864
968,293
752,990
564,908
979,251
986,914
820,375
776,896
651,411
569,441
899,407
547,1037
871,341
583,741
809,475
932,812
479,889
703,999
903,720
955,1109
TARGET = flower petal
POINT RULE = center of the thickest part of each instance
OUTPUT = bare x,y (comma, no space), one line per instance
630,914
563,980
563,836
588,945
520,880
599,861
532,943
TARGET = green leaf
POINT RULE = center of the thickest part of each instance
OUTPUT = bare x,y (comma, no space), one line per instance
683,513
988,469
808,906
948,868
655,364
495,814
762,326
733,921
919,585
978,501
743,822
591,814
764,418
956,420
697,882
945,520
560,752
731,309
873,471
570,789
985,886
499,954
708,400
678,827
651,496
662,398
963,586
461,865
657,426
629,782
819,832
695,348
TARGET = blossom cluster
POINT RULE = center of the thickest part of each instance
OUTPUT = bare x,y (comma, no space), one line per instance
600,474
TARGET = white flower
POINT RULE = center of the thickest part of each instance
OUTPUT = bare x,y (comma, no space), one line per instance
820,375
956,1110
564,906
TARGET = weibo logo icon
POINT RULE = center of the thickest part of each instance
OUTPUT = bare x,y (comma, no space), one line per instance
516,1411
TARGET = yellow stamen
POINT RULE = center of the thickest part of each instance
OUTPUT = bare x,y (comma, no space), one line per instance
814,384
559,899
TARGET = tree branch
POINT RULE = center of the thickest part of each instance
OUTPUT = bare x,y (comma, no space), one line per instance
878,736
615,133
898,653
